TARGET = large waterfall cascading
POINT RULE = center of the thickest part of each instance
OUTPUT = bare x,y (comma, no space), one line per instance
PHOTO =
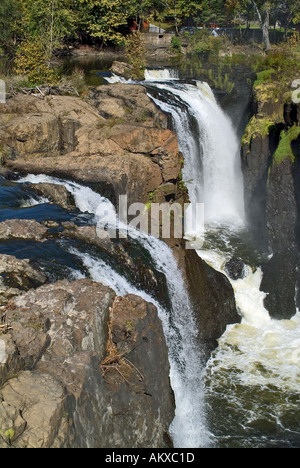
212,165
188,428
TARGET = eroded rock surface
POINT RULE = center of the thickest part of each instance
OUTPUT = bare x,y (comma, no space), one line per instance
17,276
120,142
61,396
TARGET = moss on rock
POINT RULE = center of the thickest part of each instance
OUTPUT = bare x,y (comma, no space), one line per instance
284,149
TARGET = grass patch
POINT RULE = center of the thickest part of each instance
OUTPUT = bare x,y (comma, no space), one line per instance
284,149
264,76
257,127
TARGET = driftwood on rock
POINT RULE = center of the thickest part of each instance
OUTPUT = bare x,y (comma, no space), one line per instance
43,91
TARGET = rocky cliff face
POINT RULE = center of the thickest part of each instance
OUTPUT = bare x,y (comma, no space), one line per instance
120,144
270,154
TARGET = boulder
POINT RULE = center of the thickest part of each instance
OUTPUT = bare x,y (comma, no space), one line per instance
235,268
128,103
280,278
91,370
17,276
56,194
213,301
122,69
22,229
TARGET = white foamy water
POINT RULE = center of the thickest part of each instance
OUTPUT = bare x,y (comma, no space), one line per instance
188,429
113,79
161,74
33,202
150,75
211,151
274,344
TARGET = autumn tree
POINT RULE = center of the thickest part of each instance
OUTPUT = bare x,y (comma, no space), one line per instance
45,25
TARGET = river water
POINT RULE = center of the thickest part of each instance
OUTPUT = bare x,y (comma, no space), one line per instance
252,379
247,395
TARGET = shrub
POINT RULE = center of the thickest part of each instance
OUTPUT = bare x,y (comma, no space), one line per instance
136,55
31,62
176,44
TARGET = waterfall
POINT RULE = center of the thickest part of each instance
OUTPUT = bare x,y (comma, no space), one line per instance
161,74
211,150
188,429
257,361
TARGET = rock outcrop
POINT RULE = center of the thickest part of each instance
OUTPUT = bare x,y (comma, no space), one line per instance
90,370
17,276
119,144
270,153
213,301
22,229
56,194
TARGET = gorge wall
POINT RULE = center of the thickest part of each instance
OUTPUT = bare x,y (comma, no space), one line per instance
270,157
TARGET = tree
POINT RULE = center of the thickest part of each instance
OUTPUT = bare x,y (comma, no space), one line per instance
136,55
49,22
239,12
106,19
10,16
30,62
263,11
289,13
45,25
213,12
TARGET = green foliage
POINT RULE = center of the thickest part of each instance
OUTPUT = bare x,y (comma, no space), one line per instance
10,16
265,76
103,19
204,44
280,65
176,44
257,127
30,62
49,21
8,435
212,12
136,55
284,149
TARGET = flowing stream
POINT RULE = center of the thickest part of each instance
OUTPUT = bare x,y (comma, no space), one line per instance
252,379
178,323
